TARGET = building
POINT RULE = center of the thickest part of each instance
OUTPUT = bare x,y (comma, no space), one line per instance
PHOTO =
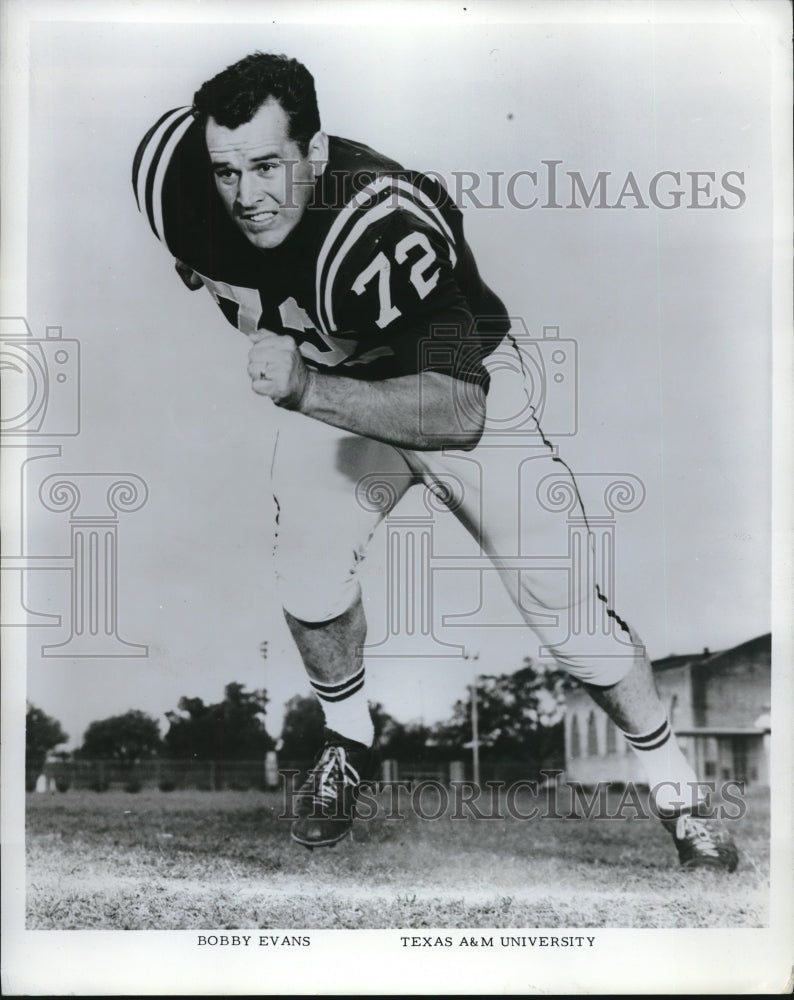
718,704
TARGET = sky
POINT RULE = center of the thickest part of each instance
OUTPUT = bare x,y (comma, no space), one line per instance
670,310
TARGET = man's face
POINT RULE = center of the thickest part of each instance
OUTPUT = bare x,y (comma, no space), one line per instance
262,178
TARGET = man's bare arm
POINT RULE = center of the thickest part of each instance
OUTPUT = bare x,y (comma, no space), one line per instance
426,411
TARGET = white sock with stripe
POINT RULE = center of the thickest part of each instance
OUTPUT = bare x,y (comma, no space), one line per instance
346,708
665,766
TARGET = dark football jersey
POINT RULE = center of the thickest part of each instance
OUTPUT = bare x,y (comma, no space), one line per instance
375,281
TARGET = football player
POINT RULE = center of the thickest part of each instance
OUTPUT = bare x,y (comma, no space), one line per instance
384,353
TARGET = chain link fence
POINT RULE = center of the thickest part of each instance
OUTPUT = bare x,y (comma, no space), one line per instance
167,775
238,775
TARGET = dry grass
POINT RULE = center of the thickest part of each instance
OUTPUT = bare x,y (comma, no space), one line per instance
224,860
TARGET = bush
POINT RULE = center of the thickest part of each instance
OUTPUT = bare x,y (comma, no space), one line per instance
98,786
167,785
133,785
63,784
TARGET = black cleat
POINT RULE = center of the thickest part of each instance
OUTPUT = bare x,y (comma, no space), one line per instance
326,802
702,843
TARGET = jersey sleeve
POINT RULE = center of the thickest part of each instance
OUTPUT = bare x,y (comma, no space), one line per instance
389,277
152,171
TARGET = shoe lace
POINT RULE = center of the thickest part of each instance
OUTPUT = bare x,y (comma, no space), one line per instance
695,831
333,770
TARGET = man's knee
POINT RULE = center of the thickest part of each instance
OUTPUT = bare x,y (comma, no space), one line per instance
318,600
600,663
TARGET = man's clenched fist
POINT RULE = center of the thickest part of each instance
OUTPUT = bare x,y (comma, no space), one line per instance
277,370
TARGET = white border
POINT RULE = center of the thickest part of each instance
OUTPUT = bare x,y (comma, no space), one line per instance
89,963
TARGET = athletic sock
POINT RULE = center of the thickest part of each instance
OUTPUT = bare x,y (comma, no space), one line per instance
668,771
346,708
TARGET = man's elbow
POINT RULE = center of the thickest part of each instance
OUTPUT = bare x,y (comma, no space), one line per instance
451,412
467,414
472,432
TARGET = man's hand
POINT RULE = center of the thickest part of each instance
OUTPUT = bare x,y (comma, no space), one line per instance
277,369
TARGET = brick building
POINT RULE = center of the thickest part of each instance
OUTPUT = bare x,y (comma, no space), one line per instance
718,705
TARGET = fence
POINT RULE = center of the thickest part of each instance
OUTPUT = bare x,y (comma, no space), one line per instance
169,775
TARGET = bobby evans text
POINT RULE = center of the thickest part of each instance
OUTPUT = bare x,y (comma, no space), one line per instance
259,940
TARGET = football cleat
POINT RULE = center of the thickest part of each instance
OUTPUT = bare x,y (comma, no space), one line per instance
702,843
326,801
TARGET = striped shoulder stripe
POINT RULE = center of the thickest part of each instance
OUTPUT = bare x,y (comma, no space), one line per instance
374,202
141,150
151,163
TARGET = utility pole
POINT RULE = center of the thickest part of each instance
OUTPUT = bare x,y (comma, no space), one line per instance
271,758
475,722
475,737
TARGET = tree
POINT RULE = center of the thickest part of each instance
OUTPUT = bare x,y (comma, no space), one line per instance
232,729
127,738
302,730
519,715
410,741
399,740
42,734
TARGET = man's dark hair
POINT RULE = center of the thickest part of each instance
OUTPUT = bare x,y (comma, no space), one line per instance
235,95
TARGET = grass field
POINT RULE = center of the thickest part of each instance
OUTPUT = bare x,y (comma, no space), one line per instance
219,860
